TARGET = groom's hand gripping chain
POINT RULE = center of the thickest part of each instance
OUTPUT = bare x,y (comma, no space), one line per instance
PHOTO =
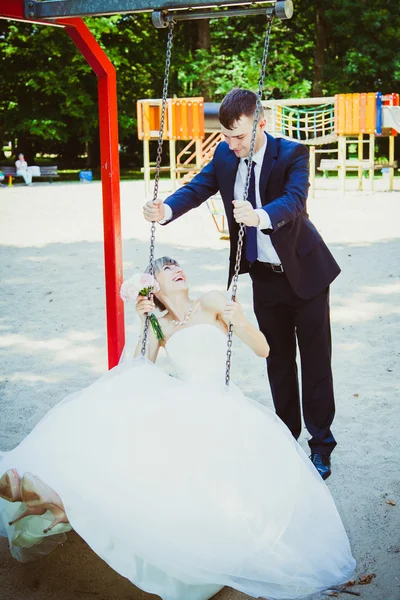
154,210
243,212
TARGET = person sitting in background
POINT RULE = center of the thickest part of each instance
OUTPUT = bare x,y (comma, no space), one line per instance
22,169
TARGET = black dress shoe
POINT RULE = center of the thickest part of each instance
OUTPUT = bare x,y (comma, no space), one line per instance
322,464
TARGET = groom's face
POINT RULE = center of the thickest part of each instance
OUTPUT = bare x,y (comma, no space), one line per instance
239,137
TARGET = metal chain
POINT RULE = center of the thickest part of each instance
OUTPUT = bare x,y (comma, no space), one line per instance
270,16
171,24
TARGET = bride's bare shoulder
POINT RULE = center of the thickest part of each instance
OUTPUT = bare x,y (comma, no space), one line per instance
213,300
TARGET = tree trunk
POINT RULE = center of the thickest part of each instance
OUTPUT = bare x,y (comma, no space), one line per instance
94,153
203,35
26,147
320,49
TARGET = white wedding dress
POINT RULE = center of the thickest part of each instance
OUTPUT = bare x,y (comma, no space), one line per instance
181,486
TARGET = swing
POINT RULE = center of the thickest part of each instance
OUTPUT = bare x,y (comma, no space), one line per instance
162,19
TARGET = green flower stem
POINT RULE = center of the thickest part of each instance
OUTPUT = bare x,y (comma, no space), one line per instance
158,332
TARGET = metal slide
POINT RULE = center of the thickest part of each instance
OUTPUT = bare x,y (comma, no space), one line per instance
391,117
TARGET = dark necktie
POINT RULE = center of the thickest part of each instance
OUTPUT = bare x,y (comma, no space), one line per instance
251,232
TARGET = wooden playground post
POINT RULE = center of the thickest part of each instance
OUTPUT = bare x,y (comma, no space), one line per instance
342,163
371,159
172,162
199,153
391,162
360,159
312,170
290,124
146,165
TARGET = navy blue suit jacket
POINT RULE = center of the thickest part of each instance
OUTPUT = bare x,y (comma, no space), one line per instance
308,263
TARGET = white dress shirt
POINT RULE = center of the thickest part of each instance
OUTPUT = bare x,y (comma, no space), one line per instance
265,249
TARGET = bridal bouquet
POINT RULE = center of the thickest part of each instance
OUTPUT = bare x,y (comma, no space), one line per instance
142,285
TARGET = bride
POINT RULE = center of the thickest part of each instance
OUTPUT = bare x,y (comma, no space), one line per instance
179,485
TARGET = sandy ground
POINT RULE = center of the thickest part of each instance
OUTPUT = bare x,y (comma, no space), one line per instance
52,342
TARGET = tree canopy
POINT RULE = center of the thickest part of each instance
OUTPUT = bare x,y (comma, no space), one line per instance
48,94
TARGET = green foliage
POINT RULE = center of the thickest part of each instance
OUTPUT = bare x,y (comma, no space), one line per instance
48,94
234,60
363,53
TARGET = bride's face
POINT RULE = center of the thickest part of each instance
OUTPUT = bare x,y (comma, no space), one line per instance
172,279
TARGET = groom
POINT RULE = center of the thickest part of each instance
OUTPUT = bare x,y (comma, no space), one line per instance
290,266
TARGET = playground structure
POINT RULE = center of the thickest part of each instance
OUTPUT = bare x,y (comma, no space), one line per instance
187,119
66,15
357,116
184,121
343,119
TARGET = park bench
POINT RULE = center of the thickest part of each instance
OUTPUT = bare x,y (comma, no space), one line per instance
332,164
48,172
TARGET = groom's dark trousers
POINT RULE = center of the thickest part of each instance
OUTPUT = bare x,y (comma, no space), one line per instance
290,304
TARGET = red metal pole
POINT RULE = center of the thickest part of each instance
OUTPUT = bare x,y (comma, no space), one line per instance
108,121
14,11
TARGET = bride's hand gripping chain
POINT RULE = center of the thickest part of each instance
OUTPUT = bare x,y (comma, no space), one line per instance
233,314
144,305
141,288
242,327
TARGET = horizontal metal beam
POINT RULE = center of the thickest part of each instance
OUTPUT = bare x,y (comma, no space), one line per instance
283,9
55,9
161,18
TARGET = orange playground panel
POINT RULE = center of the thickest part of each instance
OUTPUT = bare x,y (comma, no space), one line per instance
371,113
184,119
355,113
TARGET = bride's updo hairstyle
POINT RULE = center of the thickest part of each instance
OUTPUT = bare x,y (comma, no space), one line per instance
159,264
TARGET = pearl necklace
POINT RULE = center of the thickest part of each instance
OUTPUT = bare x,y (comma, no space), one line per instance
185,320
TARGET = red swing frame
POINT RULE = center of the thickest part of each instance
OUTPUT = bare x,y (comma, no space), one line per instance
109,156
